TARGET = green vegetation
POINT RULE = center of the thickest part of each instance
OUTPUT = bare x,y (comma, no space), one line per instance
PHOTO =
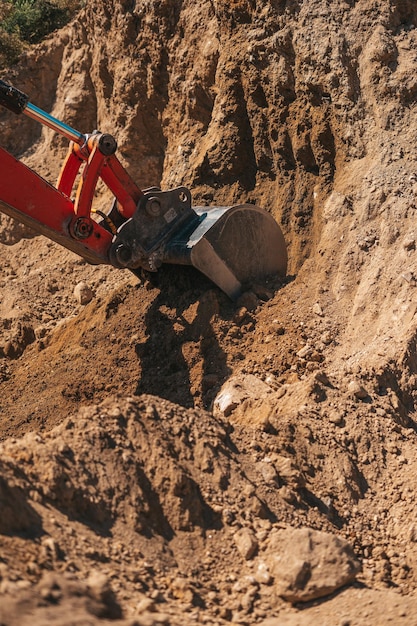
25,22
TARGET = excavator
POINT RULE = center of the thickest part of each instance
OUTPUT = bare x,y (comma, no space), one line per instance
234,246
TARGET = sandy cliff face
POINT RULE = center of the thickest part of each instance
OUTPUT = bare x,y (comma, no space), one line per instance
307,109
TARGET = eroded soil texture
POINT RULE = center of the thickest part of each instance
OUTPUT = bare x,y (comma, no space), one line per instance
169,456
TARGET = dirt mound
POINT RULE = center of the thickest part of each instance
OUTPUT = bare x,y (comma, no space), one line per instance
160,486
173,444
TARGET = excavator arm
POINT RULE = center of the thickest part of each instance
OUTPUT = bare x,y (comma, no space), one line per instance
234,246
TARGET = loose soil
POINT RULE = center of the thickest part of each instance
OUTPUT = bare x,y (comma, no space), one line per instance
169,456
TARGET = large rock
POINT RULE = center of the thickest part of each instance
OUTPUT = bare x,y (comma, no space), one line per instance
307,564
240,390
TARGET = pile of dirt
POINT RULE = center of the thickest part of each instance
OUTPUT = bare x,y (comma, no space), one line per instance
170,456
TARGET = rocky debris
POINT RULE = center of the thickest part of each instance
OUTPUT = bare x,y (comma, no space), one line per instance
65,464
316,564
16,336
246,543
83,294
238,390
155,474
65,601
357,390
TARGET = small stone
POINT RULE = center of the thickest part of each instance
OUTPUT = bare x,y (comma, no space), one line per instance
357,390
247,602
83,293
269,473
271,381
103,598
9,349
327,338
262,574
237,390
51,548
225,403
410,278
228,516
305,351
180,588
317,310
23,584
280,392
315,356
288,494
289,471
32,568
50,588
98,585
409,243
240,315
335,418
246,543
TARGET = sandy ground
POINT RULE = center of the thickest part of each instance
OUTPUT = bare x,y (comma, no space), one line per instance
169,456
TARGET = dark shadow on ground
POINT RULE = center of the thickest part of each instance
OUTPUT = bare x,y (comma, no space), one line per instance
181,358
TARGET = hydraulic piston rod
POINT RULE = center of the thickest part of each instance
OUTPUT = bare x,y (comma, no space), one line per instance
18,102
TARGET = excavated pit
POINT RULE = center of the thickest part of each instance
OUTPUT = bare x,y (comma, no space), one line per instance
162,446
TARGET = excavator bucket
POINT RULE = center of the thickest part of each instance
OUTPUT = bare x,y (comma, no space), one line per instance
234,246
